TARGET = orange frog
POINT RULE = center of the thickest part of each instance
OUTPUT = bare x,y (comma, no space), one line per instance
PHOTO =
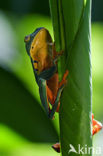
41,49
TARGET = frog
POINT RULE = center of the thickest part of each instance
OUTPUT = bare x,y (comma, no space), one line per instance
44,58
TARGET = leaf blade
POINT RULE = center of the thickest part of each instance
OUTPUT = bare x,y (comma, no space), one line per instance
22,112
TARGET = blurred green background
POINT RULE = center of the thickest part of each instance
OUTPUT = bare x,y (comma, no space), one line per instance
25,130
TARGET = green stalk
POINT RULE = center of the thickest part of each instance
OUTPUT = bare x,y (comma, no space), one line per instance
71,24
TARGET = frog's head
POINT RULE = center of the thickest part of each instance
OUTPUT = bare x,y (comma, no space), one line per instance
29,39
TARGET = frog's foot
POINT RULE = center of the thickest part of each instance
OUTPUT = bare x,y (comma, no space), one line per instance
96,126
56,147
64,81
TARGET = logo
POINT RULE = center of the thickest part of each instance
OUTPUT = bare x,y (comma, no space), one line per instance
72,149
85,150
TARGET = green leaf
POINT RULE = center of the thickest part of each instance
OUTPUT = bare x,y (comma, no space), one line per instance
30,150
72,20
22,112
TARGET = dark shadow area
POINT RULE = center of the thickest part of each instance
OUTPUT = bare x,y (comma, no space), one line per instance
26,6
42,7
97,10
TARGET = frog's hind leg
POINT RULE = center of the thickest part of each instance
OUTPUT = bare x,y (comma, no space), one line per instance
63,81
55,105
52,98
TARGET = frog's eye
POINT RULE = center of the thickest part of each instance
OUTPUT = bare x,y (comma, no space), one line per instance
32,47
27,38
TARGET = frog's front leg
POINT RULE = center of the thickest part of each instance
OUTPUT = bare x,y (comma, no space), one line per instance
63,81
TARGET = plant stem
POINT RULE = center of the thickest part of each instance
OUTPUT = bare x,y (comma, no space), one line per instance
71,24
